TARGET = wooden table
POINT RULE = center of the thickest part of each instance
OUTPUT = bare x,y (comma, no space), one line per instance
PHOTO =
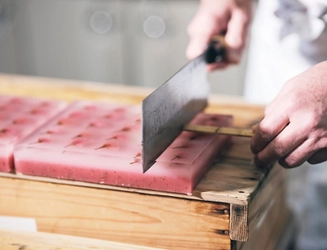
235,206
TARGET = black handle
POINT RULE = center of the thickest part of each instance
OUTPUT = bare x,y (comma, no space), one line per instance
216,51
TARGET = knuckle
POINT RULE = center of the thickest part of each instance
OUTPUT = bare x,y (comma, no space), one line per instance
264,132
260,139
310,122
277,150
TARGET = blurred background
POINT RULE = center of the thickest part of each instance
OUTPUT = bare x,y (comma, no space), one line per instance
132,42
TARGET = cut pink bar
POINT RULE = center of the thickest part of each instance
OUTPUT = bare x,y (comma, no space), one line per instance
101,143
19,116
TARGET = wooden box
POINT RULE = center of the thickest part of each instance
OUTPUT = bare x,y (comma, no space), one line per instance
235,206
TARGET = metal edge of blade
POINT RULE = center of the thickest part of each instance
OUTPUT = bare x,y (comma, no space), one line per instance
190,80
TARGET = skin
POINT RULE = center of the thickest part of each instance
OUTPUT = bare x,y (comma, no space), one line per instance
230,16
294,128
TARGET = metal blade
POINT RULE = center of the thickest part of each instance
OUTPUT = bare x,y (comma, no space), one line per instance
171,106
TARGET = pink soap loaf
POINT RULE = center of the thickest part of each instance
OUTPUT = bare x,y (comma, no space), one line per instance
19,116
101,143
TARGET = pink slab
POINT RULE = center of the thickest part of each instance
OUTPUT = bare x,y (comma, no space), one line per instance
19,116
101,143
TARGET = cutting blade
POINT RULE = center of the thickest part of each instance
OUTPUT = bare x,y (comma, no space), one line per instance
171,106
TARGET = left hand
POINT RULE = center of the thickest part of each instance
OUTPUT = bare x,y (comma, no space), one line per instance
214,18
294,129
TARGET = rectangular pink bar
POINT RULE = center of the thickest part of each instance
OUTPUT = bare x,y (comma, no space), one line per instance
19,116
101,143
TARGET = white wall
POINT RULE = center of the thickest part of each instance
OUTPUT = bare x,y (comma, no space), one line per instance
61,38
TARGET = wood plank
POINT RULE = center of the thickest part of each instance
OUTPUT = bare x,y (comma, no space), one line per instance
239,222
131,218
230,180
218,130
15,240
70,90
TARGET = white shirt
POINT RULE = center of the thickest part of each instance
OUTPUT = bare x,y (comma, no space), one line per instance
278,52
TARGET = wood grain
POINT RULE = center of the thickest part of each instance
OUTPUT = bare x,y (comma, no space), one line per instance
239,222
112,215
13,240
219,130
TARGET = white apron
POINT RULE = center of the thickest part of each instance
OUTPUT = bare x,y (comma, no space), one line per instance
288,37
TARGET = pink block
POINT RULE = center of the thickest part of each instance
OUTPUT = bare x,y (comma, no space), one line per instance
19,116
101,143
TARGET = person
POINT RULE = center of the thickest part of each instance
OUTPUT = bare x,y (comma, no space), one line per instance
287,70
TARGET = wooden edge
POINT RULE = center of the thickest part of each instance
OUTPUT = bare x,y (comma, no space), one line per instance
243,217
239,215
267,176
239,230
202,196
95,185
16,80
18,240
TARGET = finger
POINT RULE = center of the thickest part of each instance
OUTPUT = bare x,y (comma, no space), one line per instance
255,127
318,157
218,65
236,35
267,130
199,38
200,31
196,46
282,145
299,155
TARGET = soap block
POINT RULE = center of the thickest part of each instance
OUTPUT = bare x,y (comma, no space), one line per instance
101,143
19,116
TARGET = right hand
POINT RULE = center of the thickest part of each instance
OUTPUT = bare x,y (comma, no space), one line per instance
215,17
294,129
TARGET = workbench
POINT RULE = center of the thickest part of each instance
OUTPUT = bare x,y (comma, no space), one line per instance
235,206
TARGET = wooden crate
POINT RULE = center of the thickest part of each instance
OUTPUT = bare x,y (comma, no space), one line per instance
235,206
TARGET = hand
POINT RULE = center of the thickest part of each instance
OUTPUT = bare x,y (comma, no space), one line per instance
215,17
294,129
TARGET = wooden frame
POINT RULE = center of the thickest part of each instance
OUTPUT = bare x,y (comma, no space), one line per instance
229,207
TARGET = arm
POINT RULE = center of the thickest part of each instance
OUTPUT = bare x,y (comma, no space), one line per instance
294,129
215,17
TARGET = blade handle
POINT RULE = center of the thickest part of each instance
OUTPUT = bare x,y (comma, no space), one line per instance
217,50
